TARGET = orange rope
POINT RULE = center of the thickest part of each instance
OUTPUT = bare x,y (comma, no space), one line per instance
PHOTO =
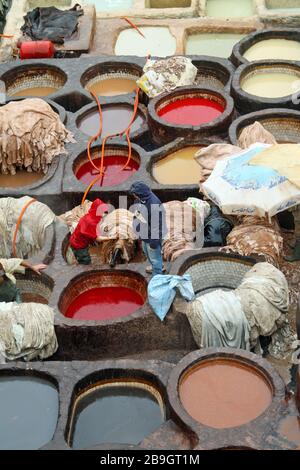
133,25
96,136
14,249
7,36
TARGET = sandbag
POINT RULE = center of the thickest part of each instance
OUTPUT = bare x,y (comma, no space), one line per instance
256,236
207,157
52,24
27,331
253,134
216,228
32,230
31,136
166,75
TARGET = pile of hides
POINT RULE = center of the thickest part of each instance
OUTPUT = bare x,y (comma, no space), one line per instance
52,24
72,217
31,233
4,7
118,226
207,157
167,74
255,133
184,223
27,331
32,134
258,237
258,307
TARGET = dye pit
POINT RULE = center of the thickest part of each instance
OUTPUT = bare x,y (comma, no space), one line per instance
271,84
191,111
113,86
21,178
178,167
212,44
114,167
120,413
115,119
275,49
35,91
224,394
29,412
104,303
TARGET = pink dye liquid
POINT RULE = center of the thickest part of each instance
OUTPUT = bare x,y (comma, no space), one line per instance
105,303
113,173
191,111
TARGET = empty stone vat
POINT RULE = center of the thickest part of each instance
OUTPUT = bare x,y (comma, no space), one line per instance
111,78
35,80
189,112
35,288
158,42
103,295
115,159
284,124
215,73
29,411
262,84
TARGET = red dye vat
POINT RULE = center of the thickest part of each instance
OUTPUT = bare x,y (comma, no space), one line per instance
113,173
191,111
105,303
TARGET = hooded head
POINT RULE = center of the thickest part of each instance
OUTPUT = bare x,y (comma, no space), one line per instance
141,190
98,209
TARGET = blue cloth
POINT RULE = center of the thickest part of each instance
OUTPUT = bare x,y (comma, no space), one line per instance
162,291
241,175
150,221
154,257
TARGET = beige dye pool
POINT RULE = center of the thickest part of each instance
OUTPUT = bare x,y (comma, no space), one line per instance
35,91
212,44
224,393
271,84
158,41
178,167
21,178
113,86
276,49
229,8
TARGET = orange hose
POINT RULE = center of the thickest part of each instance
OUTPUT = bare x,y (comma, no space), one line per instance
133,25
14,248
7,36
89,188
96,136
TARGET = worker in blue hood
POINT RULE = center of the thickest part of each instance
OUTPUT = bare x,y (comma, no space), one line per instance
149,225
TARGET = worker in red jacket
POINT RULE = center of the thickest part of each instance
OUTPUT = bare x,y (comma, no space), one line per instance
86,232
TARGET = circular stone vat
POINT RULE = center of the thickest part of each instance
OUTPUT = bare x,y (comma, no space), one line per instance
115,158
115,119
214,270
111,78
34,80
266,84
224,393
284,124
275,44
35,288
212,73
178,167
188,112
157,41
103,295
29,412
121,411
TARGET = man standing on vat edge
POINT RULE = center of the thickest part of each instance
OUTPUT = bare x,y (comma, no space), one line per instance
149,225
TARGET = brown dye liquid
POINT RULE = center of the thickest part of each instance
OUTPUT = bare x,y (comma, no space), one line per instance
224,394
113,86
35,91
21,178
178,168
290,429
